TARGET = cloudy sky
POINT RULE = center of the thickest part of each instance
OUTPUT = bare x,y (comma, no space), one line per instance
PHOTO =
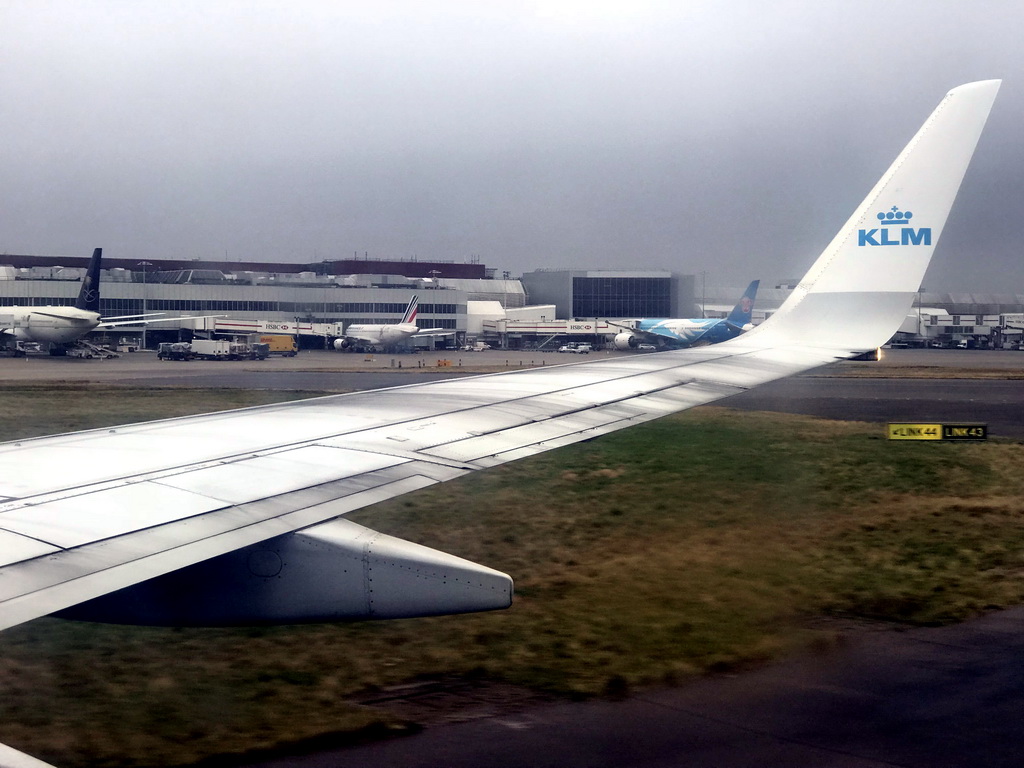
728,137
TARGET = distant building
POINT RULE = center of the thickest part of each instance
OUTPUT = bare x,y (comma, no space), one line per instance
612,293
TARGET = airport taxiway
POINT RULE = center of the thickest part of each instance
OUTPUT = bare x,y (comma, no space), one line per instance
895,390
920,698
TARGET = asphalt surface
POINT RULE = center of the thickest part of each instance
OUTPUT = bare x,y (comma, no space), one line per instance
922,698
996,402
999,403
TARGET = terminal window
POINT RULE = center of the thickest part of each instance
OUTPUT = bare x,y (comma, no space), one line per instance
621,296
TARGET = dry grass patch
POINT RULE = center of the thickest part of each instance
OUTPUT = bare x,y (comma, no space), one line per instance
29,410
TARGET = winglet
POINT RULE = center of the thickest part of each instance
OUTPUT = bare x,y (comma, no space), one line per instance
89,294
861,287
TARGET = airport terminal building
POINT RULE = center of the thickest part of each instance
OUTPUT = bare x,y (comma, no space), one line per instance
327,295
317,300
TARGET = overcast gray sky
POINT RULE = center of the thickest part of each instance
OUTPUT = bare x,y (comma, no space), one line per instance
731,137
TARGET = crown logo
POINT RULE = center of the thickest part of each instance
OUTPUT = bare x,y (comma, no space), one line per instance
894,216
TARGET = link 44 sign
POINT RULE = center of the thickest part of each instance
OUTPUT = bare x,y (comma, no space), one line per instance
906,431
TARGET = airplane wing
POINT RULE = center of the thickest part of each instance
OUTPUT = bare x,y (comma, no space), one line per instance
435,332
245,505
132,317
117,322
12,758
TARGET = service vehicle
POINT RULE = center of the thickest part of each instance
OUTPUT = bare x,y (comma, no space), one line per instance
577,348
178,350
277,343
211,349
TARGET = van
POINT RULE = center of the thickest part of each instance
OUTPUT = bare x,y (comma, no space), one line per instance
277,343
576,349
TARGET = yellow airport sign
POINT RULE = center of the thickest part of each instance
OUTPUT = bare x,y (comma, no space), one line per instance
908,431
900,431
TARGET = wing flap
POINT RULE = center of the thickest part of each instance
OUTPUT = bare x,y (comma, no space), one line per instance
77,520
15,548
251,479
472,449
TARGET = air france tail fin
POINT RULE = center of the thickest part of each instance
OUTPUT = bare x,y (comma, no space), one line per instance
861,287
410,312
89,294
741,313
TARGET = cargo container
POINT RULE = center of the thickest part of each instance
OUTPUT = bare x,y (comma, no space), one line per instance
211,349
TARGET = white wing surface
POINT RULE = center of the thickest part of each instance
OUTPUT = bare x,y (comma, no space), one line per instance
233,517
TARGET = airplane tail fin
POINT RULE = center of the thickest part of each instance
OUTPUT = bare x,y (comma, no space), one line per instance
89,294
410,311
741,313
861,287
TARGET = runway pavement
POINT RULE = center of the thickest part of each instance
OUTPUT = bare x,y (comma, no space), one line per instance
996,402
887,395
920,698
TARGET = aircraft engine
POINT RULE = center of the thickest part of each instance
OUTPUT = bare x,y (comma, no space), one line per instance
340,344
626,340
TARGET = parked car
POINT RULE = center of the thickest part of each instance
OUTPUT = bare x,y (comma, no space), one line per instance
576,349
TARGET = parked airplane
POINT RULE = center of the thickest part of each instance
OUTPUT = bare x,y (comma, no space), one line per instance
238,517
677,333
372,336
59,326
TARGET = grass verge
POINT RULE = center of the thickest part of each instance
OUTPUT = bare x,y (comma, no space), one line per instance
706,541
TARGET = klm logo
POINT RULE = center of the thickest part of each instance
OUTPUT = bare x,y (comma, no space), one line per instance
893,229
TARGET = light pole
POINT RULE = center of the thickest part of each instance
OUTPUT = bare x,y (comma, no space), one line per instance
144,264
703,292
920,330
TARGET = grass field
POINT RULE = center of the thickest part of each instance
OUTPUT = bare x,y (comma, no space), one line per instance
708,541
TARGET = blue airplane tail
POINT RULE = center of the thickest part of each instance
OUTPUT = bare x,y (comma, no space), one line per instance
89,293
741,313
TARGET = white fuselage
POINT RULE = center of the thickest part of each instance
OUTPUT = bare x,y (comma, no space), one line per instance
391,333
57,325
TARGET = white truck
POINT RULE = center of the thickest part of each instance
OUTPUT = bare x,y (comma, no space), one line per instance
211,349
